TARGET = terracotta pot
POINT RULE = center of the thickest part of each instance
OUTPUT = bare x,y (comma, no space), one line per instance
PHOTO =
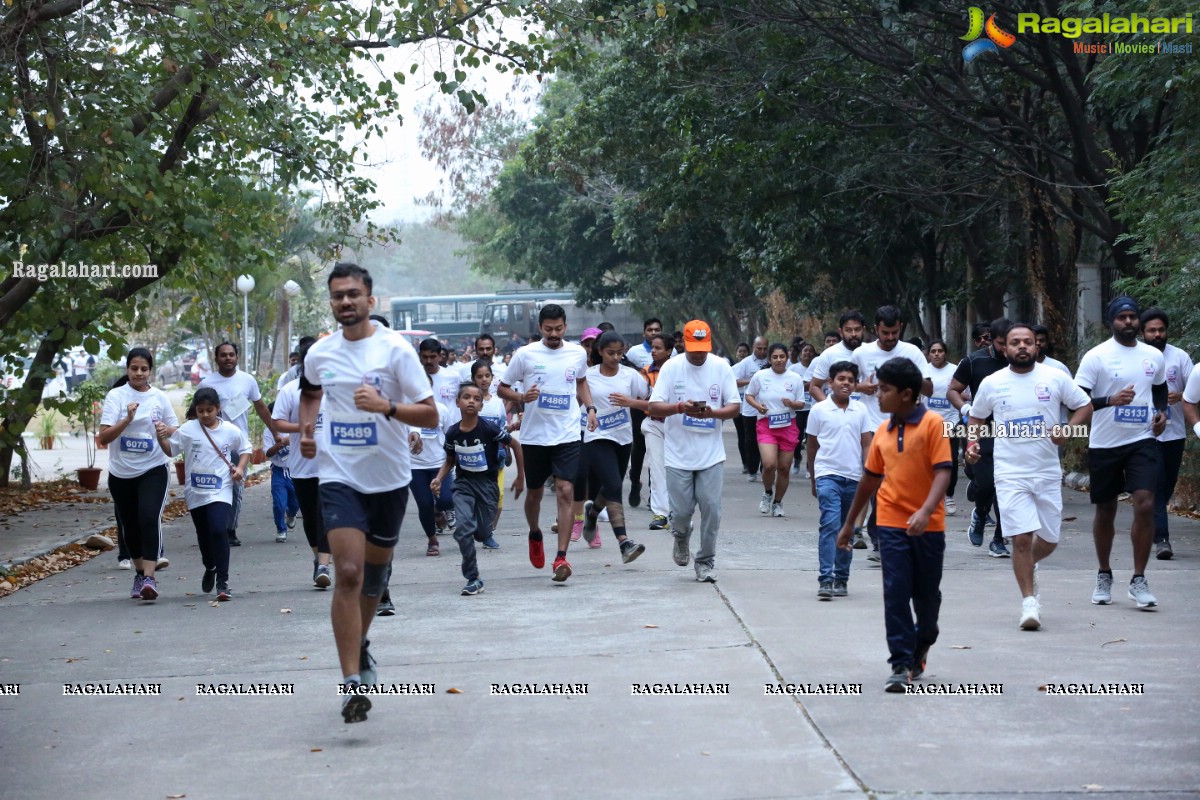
258,456
89,477
179,471
47,442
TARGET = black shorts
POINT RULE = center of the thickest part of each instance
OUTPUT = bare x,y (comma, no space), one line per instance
377,515
544,460
1128,468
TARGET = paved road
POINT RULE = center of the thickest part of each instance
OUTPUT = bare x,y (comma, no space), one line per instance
611,626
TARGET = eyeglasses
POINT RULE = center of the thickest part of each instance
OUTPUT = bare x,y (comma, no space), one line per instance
353,294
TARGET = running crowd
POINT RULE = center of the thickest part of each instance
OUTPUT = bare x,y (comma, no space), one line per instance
363,419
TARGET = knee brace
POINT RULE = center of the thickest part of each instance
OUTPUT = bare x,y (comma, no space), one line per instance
374,579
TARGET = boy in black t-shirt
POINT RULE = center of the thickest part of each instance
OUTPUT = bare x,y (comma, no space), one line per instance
473,446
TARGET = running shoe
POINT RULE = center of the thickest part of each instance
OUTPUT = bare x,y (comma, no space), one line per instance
366,665
857,541
777,510
433,549
1163,551
589,523
234,541
681,553
223,592
149,589
752,477
596,543
635,494
825,590
323,577
840,589
899,681
577,530
1030,618
562,570
951,508
136,592
291,521
630,550
704,573
451,519
473,588
386,608
162,563
125,563
1139,592
1102,594
991,521
764,503
997,549
975,529
537,556
920,657
281,537
490,543
873,556
208,581
354,706
658,522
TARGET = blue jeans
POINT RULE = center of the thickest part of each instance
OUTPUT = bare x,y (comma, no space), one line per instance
283,498
834,496
426,504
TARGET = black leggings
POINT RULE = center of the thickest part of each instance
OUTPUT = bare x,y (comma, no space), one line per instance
638,454
747,442
138,503
955,444
212,534
309,494
607,462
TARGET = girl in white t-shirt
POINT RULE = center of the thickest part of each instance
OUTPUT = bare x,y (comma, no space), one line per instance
137,470
206,442
940,371
776,394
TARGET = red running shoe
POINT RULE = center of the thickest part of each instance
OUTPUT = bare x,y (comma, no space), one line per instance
562,570
537,556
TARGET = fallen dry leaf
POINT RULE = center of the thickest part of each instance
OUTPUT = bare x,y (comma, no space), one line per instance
1042,688
1069,519
214,604
649,626
314,749
1112,641
452,690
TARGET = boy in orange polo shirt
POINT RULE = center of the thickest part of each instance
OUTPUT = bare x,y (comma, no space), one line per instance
909,463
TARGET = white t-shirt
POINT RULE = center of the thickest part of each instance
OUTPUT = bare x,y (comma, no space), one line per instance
870,357
694,443
1178,367
771,390
289,375
830,356
553,418
743,371
639,355
1027,406
237,392
287,407
445,385
365,451
615,423
1110,367
1056,364
494,411
284,454
136,450
939,402
206,475
839,438
433,440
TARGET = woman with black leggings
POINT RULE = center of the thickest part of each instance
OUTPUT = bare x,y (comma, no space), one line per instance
137,468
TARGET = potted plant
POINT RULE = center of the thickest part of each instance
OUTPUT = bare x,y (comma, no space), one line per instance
88,402
256,426
47,429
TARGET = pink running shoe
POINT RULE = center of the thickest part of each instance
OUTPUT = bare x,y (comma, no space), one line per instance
576,530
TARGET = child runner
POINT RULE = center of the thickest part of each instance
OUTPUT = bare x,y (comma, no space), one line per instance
776,394
615,389
909,465
839,432
137,470
494,411
428,455
473,446
206,442
284,503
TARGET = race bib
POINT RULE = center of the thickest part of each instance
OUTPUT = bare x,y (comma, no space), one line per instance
618,418
1033,427
555,402
938,402
430,433
350,433
1131,415
234,406
857,397
131,444
284,452
206,481
808,399
780,420
697,423
472,458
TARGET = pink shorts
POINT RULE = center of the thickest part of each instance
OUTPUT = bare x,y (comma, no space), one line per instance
786,438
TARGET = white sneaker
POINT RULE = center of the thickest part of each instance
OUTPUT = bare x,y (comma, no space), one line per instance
124,563
1102,594
764,503
1139,592
777,510
951,509
163,563
1030,619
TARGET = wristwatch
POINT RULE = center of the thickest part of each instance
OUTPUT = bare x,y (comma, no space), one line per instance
590,408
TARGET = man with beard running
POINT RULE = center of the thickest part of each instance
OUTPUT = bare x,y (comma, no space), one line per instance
1172,440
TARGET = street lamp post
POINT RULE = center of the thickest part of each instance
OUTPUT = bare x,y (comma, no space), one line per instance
245,285
290,290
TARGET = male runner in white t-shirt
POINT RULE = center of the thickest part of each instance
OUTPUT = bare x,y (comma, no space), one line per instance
373,387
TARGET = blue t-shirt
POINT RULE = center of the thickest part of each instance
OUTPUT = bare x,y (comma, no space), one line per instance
477,451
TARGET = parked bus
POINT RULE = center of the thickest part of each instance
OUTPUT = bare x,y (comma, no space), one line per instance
517,314
452,316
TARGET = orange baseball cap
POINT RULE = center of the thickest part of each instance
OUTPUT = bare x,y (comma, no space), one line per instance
697,337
